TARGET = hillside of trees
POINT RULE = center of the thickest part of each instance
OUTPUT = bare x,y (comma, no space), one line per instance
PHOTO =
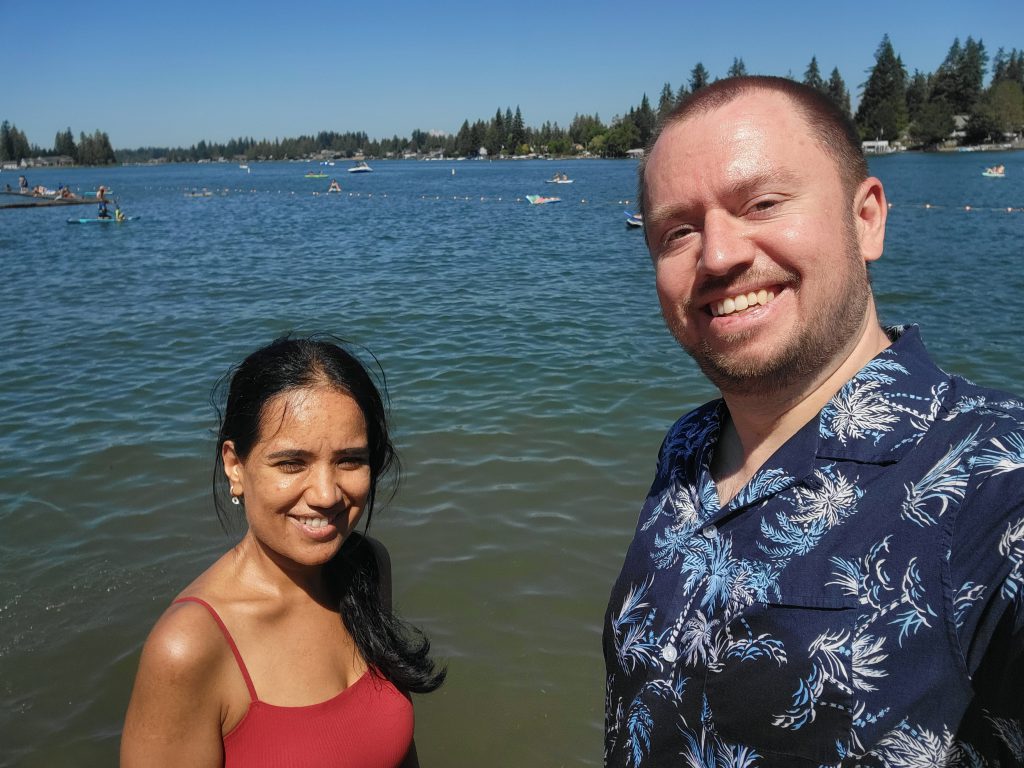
919,109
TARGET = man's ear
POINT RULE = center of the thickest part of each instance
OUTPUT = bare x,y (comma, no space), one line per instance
870,211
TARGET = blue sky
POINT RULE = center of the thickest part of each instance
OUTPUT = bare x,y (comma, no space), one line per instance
170,74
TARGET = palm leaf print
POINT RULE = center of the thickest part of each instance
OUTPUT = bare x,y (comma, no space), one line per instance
1006,455
945,483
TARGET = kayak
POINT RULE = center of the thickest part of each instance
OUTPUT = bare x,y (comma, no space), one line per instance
634,220
111,220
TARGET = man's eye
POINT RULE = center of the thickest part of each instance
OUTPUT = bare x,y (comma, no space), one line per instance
289,465
763,205
678,233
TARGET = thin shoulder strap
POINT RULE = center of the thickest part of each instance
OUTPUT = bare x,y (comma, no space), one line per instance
227,636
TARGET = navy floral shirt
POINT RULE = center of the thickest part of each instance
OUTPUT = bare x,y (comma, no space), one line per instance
859,603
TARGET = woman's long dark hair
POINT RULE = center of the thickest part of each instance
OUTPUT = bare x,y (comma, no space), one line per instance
393,649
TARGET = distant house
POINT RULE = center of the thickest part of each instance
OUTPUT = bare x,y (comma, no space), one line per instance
47,162
482,152
959,126
877,147
636,154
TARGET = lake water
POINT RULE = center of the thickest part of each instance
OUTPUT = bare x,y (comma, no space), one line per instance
531,382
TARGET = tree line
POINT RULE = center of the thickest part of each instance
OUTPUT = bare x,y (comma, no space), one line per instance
94,149
925,108
922,109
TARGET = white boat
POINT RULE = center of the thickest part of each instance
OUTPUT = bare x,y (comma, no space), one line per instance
360,167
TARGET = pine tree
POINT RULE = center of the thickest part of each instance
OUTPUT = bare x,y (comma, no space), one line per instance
738,68
882,112
812,76
666,102
699,77
6,143
971,74
644,119
836,90
517,133
918,92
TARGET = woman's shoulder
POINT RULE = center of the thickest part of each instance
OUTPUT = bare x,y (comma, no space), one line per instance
186,645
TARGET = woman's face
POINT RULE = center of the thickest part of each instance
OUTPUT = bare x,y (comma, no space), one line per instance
306,480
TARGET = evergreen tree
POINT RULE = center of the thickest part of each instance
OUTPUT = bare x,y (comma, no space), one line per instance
20,145
812,76
517,134
6,142
738,68
682,93
644,120
666,102
699,77
945,81
918,92
933,123
882,112
464,141
971,74
836,90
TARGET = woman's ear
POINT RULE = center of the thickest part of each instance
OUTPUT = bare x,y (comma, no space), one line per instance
233,469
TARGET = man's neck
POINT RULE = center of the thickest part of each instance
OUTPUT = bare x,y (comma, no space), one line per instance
757,426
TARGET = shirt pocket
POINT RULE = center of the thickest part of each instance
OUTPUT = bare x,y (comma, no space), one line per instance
782,681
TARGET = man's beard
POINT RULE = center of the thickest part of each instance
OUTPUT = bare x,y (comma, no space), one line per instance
810,350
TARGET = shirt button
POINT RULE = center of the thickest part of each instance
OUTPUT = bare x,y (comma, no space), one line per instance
669,653
710,532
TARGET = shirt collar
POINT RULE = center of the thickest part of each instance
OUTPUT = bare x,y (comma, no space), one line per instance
887,407
875,418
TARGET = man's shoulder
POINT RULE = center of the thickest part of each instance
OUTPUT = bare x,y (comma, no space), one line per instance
694,428
971,408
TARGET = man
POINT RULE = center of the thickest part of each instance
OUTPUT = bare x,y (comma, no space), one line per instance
829,566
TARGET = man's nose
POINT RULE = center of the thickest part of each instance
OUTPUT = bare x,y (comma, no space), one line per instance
724,245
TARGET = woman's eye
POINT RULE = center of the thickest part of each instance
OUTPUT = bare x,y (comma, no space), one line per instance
290,465
352,462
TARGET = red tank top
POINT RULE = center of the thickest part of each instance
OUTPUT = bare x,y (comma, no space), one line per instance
369,724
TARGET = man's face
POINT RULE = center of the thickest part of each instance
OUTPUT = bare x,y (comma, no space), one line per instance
757,258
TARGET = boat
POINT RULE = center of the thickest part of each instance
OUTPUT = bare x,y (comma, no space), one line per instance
634,220
559,178
244,167
995,172
360,167
316,175
110,220
541,200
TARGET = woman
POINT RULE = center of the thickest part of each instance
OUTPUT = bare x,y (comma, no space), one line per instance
285,651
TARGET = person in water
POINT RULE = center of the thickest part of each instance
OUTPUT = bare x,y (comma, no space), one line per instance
334,186
285,651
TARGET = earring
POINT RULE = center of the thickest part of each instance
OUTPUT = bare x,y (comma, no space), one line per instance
235,500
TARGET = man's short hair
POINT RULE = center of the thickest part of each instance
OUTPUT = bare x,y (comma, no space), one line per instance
833,128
